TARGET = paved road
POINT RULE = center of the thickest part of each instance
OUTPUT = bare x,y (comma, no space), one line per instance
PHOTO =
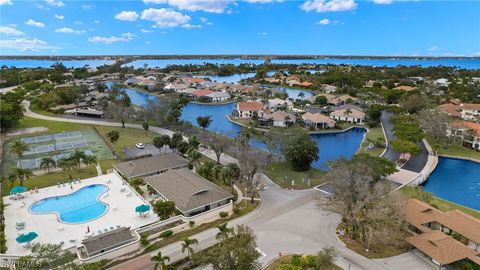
287,222
415,163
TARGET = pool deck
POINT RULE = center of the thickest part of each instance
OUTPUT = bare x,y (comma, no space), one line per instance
121,211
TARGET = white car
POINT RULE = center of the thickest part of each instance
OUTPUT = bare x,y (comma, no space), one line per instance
139,145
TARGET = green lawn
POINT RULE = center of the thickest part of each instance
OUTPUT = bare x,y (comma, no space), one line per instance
107,164
53,126
50,179
128,137
278,170
443,205
288,259
455,150
373,135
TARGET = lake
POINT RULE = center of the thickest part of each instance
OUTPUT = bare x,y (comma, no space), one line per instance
33,63
449,62
457,181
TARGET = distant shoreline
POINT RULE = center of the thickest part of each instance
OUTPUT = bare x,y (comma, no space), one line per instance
221,56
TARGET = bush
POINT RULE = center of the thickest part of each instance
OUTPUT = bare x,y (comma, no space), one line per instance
139,190
223,214
236,210
143,240
191,223
166,233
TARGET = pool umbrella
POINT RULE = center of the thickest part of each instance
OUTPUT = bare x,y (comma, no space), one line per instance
18,189
142,208
26,237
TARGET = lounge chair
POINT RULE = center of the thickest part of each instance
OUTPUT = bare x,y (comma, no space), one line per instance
61,228
111,228
109,181
123,189
23,204
129,194
20,225
99,231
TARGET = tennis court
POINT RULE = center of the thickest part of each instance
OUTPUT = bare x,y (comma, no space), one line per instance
39,149
51,137
34,163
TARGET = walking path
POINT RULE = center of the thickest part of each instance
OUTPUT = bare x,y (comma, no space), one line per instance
287,221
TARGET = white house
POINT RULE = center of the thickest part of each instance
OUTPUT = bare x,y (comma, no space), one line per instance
470,111
277,104
281,119
247,109
441,82
317,120
218,96
348,115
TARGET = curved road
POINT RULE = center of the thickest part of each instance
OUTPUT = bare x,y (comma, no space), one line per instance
287,221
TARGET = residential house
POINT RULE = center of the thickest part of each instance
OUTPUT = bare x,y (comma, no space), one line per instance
317,120
348,115
88,112
218,96
150,166
191,193
278,104
450,109
467,132
470,111
246,109
405,88
445,237
201,94
281,119
441,82
328,88
177,87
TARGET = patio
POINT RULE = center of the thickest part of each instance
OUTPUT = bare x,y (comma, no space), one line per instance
121,199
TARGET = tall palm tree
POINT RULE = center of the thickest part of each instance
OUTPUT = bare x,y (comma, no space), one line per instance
194,156
90,160
160,261
67,165
18,148
113,137
223,232
77,156
187,244
21,174
46,163
161,141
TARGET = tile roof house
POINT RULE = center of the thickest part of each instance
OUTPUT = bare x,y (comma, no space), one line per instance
277,104
191,193
470,111
150,166
281,119
466,131
246,109
218,96
450,109
317,120
432,232
200,93
348,115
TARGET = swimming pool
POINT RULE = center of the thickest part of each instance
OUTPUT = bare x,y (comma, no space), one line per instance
80,206
457,181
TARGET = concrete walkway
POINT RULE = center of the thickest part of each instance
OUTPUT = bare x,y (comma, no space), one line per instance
99,169
239,194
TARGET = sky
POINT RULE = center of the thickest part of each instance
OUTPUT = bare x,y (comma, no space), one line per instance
321,27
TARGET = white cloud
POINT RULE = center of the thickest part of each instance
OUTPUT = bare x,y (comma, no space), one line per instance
55,3
77,22
262,1
164,18
60,17
190,26
26,44
145,31
67,30
96,21
383,2
125,37
203,20
214,6
127,16
34,23
328,5
263,33
433,48
87,6
5,2
324,22
10,31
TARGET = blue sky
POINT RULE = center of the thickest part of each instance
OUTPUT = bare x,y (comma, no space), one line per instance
351,27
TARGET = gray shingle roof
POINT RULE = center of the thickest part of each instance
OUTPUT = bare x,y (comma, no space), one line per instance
144,166
188,190
108,240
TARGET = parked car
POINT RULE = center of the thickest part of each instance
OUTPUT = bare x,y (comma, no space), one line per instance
139,145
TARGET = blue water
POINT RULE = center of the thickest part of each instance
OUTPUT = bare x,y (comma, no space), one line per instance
77,207
235,78
293,93
457,181
33,63
462,63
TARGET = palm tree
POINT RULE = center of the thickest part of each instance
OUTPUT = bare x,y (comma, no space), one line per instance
46,162
187,244
77,156
223,232
18,148
161,141
90,160
146,126
21,174
204,121
12,178
67,165
206,169
160,260
194,156
113,137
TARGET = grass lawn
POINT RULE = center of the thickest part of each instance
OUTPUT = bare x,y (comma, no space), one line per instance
50,179
128,137
384,252
53,126
287,259
455,150
107,164
278,170
373,135
443,205
34,108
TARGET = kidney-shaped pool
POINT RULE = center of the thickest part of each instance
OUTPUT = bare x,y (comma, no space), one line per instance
80,206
